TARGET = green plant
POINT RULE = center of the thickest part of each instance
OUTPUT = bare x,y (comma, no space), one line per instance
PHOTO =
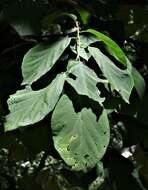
80,138
75,80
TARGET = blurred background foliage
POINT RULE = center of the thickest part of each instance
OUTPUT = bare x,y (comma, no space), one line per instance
28,159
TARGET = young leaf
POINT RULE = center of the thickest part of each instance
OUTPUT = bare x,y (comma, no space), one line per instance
78,137
114,48
85,82
121,80
28,107
40,59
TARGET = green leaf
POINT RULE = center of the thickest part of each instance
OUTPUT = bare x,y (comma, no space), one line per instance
121,80
139,82
79,138
86,40
83,54
40,59
85,82
81,51
28,107
114,48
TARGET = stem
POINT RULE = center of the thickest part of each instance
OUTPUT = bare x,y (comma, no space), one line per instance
78,40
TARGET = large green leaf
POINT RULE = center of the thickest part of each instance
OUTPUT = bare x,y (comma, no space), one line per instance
121,80
113,47
79,138
85,82
40,59
28,106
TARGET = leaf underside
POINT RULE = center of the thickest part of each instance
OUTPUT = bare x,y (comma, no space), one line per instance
40,59
85,82
121,80
28,107
78,137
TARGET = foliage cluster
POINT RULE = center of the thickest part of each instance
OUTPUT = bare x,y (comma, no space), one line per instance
72,102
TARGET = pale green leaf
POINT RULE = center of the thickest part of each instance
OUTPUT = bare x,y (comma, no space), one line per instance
86,40
84,54
79,138
81,51
114,48
28,107
121,80
40,59
85,82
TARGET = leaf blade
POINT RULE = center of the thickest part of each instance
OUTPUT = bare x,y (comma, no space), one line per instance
86,81
113,46
40,59
28,107
121,80
78,137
